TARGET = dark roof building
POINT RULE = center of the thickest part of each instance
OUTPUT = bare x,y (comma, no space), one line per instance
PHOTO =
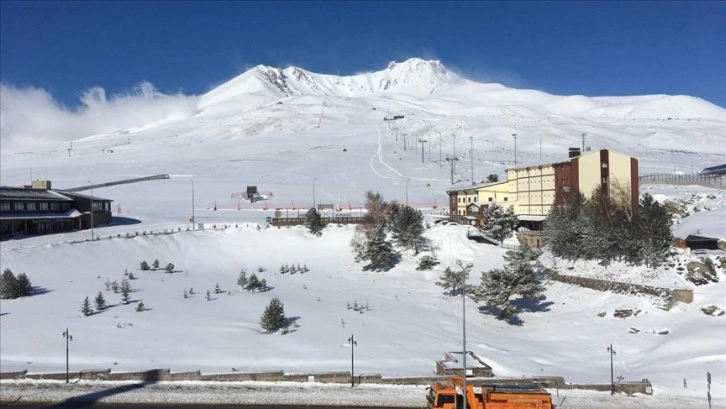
701,243
41,210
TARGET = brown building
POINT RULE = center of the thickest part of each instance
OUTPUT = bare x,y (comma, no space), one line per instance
42,210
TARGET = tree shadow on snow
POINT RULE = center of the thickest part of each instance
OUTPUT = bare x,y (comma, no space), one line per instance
496,313
38,291
90,399
532,305
291,324
394,260
123,221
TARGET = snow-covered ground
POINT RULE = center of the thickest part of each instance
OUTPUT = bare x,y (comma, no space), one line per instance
335,146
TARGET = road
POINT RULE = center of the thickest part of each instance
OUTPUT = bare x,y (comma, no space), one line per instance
80,405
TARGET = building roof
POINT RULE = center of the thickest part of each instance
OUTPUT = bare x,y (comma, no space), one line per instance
82,196
476,186
70,214
693,237
531,217
20,193
455,361
537,163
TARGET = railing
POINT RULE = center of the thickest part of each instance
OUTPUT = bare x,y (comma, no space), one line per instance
680,179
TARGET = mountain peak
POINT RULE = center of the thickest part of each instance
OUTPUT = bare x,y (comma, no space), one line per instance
418,64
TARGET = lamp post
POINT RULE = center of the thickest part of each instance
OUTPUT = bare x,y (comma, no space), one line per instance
440,161
465,270
352,359
612,381
91,210
471,138
407,179
314,179
68,337
194,220
515,148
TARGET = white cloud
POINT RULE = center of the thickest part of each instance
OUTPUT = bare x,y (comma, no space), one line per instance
30,117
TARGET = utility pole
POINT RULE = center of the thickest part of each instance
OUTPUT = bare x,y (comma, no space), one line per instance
405,136
194,220
440,161
540,147
515,148
429,145
454,152
353,343
612,381
471,152
451,159
422,149
583,142
91,211
68,337
465,270
314,179
407,179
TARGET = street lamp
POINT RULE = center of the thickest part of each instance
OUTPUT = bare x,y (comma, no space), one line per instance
465,273
194,220
68,337
471,138
353,343
91,210
407,191
612,381
314,179
515,148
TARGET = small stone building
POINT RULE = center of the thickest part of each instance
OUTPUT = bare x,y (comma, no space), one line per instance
453,364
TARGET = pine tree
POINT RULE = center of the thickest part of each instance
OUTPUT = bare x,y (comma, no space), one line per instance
155,264
86,307
314,222
8,285
209,296
655,228
452,280
100,302
115,287
217,290
379,251
125,291
518,277
170,268
144,266
242,279
23,286
273,318
253,283
407,227
499,222
427,262
140,307
186,294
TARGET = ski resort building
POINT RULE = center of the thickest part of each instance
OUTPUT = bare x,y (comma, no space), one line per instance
38,209
533,189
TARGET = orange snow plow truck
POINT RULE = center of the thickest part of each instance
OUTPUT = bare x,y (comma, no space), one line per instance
448,395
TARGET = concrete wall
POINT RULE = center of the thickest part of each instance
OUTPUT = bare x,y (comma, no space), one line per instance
326,377
670,295
589,172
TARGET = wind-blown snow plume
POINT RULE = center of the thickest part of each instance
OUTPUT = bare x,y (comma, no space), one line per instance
31,117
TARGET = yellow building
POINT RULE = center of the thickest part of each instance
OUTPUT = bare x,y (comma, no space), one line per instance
533,189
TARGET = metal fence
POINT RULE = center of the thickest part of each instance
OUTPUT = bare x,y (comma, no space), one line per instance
669,178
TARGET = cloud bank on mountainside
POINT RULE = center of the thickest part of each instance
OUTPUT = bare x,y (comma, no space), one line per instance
30,117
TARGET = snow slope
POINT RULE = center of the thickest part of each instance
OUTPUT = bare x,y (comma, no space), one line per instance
325,136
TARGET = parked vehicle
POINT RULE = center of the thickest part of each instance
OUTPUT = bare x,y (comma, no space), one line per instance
448,395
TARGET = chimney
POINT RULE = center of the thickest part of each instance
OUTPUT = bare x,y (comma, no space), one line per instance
574,152
40,184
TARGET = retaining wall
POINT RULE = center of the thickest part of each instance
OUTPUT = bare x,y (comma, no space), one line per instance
551,382
670,295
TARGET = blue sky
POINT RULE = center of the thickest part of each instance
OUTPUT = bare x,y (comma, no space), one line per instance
589,48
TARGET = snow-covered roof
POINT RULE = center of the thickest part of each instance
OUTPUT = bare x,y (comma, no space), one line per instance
70,214
531,217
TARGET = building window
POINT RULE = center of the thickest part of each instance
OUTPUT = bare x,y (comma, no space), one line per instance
30,206
19,206
54,206
65,206
5,207
605,180
42,206
97,206
505,199
604,165
490,199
